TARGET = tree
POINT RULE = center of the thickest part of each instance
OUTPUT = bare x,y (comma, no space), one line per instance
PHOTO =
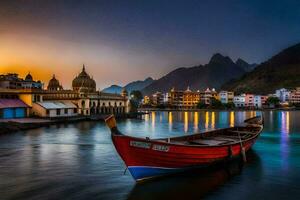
216,104
229,105
136,95
133,106
201,105
273,101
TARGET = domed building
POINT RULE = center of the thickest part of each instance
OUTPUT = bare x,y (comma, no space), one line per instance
28,77
54,84
83,82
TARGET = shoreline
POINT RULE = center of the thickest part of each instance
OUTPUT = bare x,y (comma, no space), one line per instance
15,125
210,109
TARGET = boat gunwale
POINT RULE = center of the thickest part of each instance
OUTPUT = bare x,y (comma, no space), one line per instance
160,140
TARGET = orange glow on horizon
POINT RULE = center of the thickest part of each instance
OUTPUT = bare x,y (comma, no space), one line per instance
38,73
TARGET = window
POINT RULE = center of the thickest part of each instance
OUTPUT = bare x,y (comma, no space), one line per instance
47,112
66,111
57,111
75,110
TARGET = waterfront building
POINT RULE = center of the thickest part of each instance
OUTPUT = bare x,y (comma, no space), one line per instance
190,98
183,98
54,84
249,100
226,96
175,98
146,100
187,99
166,97
207,95
263,100
157,98
55,109
84,96
239,101
84,83
283,95
13,108
58,102
294,97
13,81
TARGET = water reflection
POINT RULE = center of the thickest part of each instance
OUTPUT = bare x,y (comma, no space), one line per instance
153,120
170,120
231,119
146,117
61,161
206,120
194,184
196,121
213,120
186,122
284,144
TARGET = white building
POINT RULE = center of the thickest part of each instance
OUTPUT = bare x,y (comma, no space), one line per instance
239,101
55,109
283,95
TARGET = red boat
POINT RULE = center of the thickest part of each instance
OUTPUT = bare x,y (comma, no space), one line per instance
148,158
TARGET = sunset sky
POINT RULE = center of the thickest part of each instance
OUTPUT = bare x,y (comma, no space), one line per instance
122,41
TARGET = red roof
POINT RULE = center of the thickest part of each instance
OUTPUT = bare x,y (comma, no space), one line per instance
12,103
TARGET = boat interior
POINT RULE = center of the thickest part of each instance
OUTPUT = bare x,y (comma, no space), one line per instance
218,137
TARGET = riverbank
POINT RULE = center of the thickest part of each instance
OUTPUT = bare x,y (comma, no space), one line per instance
14,125
145,110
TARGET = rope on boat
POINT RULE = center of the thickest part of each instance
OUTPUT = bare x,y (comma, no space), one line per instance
125,170
243,151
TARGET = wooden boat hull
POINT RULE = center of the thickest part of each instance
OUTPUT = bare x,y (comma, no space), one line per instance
147,158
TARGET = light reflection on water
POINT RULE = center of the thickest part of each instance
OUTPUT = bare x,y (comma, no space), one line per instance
78,161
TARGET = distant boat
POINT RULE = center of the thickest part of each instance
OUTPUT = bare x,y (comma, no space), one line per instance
147,158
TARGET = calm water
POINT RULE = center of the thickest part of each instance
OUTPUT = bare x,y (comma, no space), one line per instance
78,161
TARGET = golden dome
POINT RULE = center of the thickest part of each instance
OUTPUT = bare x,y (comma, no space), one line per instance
83,82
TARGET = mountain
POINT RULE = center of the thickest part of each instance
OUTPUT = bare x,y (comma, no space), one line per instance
138,85
282,70
113,89
219,70
246,66
135,85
